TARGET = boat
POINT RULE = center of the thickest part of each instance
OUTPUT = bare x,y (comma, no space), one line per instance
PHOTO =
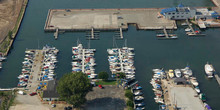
160,35
170,73
197,89
138,93
194,82
187,29
209,69
187,71
178,73
202,97
185,24
138,98
207,107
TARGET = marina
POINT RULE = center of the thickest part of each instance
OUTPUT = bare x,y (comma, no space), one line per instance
83,60
146,58
174,88
38,65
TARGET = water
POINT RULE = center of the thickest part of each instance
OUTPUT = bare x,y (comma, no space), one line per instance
150,52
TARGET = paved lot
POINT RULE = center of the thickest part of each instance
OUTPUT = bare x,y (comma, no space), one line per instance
184,96
106,19
109,98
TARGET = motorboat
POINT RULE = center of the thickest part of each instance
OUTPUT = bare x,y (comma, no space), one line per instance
138,98
187,71
178,73
202,97
137,93
197,89
209,70
170,73
207,107
187,29
160,35
194,82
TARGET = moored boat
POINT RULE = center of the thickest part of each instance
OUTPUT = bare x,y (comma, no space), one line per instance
178,73
209,70
170,73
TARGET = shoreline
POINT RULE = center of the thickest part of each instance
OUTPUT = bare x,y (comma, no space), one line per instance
16,27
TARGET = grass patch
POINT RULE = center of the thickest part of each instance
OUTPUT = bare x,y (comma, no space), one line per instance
7,98
107,82
6,43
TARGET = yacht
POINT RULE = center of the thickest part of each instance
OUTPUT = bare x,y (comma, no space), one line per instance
170,73
209,69
178,73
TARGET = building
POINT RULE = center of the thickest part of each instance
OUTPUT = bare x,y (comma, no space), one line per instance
204,13
51,93
178,13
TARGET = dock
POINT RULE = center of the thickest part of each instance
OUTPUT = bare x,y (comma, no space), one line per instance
83,60
120,58
217,78
121,33
105,19
193,33
56,33
165,32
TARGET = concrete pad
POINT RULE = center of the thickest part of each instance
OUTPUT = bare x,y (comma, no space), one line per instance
105,19
185,98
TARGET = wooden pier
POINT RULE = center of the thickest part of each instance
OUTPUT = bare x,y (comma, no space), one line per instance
165,32
121,33
217,78
193,33
56,33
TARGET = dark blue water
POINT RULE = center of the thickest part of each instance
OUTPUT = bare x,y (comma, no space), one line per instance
150,52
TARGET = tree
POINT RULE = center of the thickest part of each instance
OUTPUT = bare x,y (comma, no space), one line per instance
103,75
121,75
73,87
128,94
130,103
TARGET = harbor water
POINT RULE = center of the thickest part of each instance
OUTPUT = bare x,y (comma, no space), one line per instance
150,52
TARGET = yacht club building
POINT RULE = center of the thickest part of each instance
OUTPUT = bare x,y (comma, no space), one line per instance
178,13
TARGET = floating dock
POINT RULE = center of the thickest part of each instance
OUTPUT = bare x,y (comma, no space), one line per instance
217,78
105,19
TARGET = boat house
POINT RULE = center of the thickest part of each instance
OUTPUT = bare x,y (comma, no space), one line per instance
51,93
178,13
179,81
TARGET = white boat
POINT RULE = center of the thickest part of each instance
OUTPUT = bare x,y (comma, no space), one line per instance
170,73
178,73
138,98
187,29
197,89
209,69
194,82
138,93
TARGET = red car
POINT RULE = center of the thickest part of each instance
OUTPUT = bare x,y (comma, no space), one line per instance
33,93
100,86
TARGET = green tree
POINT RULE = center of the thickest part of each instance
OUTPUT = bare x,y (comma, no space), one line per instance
130,103
128,94
73,87
121,75
103,75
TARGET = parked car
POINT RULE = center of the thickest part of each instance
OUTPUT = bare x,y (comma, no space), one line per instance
33,93
100,86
